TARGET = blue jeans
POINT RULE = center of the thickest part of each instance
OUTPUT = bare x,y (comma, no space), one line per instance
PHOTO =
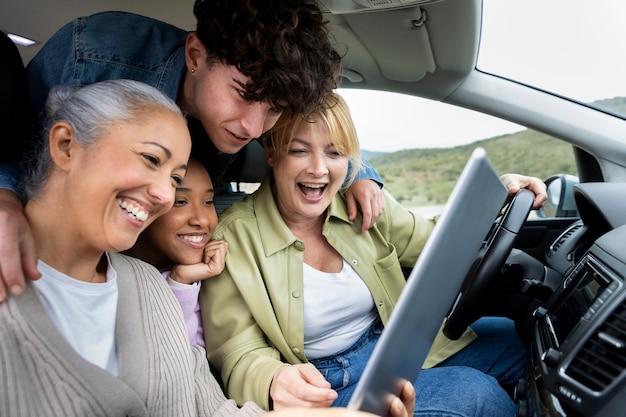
446,391
497,351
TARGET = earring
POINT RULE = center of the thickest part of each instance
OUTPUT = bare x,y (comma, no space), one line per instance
192,70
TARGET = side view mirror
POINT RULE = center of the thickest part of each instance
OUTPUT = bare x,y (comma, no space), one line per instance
560,202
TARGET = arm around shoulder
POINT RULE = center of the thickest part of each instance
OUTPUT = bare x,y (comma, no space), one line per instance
365,196
18,257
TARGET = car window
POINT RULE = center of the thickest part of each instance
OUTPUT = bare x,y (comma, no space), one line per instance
583,59
419,146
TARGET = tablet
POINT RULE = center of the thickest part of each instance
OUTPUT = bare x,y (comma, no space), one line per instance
432,285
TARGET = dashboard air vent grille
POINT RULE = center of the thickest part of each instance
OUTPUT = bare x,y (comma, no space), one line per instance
603,357
565,236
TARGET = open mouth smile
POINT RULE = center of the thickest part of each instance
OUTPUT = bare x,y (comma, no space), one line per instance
196,241
312,190
134,211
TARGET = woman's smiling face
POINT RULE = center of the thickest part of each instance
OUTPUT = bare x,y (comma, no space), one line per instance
180,235
127,178
309,174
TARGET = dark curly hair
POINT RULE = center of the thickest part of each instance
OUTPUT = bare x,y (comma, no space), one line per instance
284,47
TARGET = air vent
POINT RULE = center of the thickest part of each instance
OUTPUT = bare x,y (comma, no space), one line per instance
377,3
555,246
602,359
355,6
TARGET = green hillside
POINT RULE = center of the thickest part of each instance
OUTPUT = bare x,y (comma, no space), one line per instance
424,177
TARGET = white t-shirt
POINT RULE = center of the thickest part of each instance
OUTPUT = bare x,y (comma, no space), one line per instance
338,308
83,312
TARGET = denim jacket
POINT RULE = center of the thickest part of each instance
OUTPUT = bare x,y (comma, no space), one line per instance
112,45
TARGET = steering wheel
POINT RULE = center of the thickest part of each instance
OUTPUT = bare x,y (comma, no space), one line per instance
488,264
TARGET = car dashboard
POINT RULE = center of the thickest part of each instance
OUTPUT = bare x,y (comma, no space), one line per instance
577,365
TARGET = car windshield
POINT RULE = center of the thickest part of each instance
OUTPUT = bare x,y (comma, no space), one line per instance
572,48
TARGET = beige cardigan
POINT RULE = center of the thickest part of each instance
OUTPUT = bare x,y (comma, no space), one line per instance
160,373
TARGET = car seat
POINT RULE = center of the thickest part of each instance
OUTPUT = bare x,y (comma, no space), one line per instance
244,175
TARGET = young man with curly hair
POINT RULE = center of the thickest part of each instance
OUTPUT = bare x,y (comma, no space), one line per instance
245,63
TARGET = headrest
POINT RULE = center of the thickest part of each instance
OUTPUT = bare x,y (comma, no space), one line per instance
249,166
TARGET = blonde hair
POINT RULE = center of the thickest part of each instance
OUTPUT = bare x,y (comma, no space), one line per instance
335,115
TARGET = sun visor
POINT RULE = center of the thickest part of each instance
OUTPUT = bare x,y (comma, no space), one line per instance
410,58
353,6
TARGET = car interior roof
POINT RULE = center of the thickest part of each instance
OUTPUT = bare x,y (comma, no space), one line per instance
439,57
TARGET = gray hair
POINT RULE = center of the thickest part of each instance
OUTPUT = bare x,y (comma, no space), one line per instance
90,110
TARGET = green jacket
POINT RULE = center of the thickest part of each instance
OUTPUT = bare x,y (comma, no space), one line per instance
253,313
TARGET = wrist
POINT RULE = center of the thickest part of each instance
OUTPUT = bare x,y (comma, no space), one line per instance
175,276
176,279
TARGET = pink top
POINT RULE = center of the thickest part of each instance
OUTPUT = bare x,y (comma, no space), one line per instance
187,296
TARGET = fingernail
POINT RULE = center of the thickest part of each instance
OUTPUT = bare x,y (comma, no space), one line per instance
16,290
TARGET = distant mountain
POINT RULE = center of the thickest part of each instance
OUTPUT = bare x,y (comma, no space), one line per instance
425,177
616,104
370,154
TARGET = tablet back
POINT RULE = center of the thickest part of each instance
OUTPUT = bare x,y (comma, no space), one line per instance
432,285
